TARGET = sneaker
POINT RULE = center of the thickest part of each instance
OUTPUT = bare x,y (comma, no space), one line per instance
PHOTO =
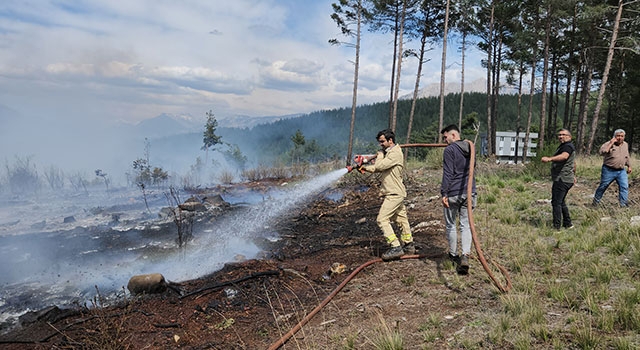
569,227
454,259
393,253
409,248
463,268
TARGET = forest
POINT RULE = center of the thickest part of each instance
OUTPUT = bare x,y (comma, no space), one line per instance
582,54
326,133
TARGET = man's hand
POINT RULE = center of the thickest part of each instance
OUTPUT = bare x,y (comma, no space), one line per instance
360,168
445,202
545,159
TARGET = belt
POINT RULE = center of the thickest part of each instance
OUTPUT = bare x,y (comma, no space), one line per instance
611,168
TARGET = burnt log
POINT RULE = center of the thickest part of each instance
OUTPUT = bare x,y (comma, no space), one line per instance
153,283
192,204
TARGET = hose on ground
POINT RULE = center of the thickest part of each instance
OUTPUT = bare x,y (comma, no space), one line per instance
307,318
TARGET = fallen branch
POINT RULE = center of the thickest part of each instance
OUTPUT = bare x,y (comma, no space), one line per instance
168,325
242,279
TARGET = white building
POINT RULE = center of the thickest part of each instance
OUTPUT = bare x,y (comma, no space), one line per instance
506,145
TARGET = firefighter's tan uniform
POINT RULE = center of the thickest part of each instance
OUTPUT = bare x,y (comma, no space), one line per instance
392,188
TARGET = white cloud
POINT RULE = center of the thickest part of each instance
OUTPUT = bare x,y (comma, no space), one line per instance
131,60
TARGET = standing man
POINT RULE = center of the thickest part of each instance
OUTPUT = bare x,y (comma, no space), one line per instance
455,179
563,175
615,153
390,162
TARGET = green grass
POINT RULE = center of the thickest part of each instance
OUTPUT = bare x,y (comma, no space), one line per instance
387,337
574,288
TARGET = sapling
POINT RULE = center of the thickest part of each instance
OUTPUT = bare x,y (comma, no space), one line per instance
183,221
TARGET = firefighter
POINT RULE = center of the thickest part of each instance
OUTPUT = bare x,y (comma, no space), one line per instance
390,163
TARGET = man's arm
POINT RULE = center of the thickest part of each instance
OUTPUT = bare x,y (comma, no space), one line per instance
628,164
447,173
557,158
606,147
383,163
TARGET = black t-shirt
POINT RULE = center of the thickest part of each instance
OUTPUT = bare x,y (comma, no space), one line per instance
563,171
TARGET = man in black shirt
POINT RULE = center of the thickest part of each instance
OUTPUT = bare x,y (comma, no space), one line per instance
563,170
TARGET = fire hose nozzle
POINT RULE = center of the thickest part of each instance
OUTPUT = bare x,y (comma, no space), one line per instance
361,159
350,169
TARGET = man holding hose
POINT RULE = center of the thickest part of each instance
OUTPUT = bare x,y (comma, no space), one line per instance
390,163
455,179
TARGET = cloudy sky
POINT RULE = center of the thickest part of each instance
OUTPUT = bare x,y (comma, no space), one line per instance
125,61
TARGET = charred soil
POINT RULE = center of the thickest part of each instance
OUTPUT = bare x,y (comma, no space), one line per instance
252,304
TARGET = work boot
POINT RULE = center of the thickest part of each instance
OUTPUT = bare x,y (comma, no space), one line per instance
393,253
455,260
409,248
463,268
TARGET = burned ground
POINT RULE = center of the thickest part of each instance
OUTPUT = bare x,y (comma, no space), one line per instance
252,304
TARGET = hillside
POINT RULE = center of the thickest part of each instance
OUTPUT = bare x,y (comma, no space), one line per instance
327,132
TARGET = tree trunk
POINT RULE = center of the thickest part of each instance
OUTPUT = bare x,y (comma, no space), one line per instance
532,90
584,99
497,57
355,83
545,72
490,142
605,77
568,112
423,43
394,117
567,99
393,68
518,126
551,116
576,88
443,67
464,43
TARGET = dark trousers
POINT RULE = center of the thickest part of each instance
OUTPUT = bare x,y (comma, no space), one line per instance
561,215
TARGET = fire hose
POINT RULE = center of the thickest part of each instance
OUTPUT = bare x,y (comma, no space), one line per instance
476,244
474,235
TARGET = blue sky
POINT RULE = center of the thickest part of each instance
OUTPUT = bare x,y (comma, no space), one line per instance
125,61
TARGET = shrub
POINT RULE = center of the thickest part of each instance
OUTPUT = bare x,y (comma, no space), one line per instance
22,176
226,177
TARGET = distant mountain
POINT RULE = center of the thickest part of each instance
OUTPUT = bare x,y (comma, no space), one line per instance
245,121
167,124
170,124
